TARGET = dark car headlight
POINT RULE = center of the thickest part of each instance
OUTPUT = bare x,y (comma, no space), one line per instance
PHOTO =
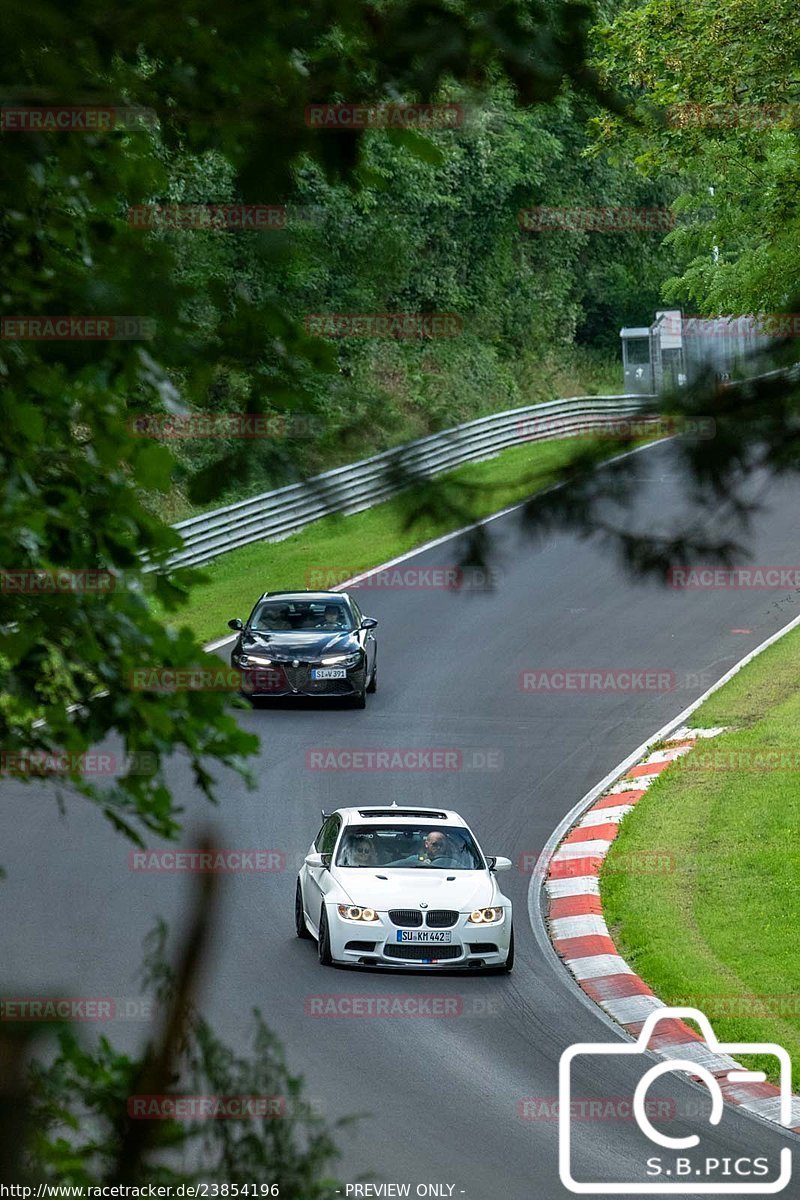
251,660
342,660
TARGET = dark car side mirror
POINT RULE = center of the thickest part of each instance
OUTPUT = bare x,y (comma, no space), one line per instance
368,623
235,623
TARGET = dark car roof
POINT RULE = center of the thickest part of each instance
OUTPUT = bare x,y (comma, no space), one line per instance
300,595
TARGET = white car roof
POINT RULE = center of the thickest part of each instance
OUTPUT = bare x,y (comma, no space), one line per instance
401,813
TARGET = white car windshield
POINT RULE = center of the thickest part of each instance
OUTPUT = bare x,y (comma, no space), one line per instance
428,846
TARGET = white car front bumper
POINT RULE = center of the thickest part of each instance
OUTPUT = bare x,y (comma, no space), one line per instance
380,943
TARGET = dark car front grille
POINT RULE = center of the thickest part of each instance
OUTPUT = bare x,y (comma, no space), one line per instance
300,679
421,953
442,918
405,916
297,677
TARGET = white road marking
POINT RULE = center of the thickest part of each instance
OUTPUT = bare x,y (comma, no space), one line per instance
583,885
605,816
597,965
595,849
627,1009
582,926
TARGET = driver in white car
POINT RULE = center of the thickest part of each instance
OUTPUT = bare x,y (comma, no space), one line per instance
437,850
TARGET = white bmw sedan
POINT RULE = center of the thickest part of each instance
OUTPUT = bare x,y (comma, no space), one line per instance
403,887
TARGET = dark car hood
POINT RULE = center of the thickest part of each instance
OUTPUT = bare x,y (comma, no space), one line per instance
308,644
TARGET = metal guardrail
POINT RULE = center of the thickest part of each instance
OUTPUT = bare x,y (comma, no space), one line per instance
275,515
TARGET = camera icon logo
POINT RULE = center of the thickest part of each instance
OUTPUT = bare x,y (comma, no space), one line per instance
699,1177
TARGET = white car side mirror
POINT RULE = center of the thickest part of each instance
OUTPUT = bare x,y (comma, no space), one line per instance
498,863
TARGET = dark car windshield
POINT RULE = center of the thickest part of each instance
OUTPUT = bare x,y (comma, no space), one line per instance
284,616
450,848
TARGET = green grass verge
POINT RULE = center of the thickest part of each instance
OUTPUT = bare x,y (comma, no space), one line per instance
366,539
719,931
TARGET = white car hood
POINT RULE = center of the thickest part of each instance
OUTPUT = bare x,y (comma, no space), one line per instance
408,887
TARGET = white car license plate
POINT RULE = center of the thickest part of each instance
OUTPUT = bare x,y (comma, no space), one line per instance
328,673
424,935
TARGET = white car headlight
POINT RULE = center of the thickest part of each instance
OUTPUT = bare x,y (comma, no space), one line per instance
354,912
342,660
254,660
485,916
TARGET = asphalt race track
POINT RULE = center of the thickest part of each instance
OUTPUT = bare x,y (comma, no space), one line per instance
440,1094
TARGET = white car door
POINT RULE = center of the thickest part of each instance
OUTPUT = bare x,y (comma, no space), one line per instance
319,878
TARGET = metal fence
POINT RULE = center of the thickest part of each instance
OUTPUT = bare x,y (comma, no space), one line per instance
275,515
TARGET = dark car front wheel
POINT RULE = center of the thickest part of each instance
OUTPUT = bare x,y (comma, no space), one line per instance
373,679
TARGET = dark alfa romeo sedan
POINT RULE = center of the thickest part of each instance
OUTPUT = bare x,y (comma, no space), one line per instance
307,644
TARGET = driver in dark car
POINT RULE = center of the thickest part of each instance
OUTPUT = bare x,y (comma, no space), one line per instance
333,619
